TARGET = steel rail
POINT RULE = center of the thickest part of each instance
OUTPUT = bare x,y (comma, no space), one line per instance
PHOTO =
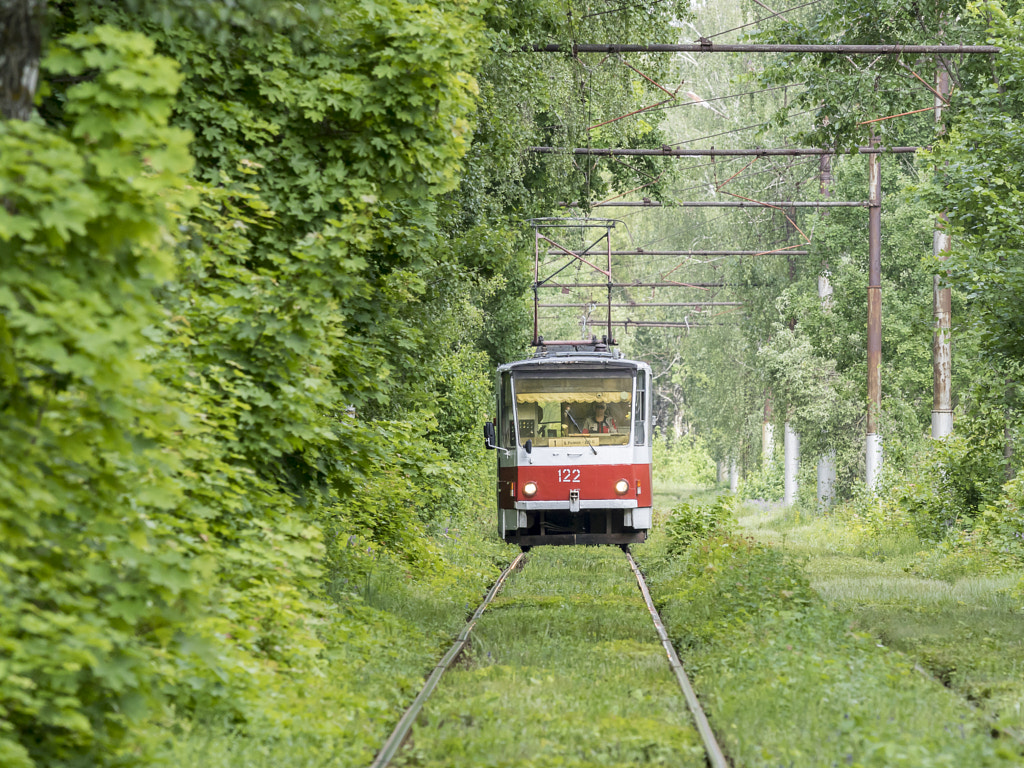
646,304
726,204
668,151
716,758
666,284
706,46
401,731
643,252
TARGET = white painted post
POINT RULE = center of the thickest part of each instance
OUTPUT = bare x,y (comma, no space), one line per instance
767,442
826,479
791,446
874,459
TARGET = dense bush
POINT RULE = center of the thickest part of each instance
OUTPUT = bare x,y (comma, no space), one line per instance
947,484
767,483
691,522
683,461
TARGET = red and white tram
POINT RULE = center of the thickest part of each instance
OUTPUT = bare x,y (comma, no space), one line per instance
573,438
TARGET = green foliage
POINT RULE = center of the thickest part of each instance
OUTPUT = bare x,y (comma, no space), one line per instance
768,483
100,586
981,184
692,522
1000,525
684,460
947,485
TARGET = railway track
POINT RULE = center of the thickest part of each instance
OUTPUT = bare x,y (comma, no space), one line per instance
392,747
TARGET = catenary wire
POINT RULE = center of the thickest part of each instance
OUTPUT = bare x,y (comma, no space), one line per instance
766,18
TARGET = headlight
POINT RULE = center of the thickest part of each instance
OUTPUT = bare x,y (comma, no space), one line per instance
529,489
621,487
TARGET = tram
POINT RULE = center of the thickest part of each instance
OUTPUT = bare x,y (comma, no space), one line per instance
573,442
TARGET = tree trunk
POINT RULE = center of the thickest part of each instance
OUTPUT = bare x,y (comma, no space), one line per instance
21,46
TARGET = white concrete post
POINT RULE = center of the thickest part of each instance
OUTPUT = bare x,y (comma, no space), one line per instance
767,442
791,446
826,479
874,458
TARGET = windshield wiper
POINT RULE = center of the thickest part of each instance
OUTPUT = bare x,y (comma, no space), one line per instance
579,429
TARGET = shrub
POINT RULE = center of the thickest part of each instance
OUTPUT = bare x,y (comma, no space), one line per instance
691,522
684,460
767,483
1000,524
947,485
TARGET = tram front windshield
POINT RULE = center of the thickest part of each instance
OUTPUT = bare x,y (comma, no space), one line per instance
565,411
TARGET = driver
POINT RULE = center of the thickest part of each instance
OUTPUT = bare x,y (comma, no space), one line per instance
600,422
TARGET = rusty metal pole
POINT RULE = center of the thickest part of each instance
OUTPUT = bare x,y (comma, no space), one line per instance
942,356
536,280
874,441
827,461
608,241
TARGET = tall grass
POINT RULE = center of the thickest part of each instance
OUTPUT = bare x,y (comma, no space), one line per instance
785,678
950,612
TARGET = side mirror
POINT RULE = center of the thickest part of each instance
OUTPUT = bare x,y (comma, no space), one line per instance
528,445
489,436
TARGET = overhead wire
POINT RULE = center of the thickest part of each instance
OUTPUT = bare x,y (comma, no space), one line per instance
735,130
622,7
766,18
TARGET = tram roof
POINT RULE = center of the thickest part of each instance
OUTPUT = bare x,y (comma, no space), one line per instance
557,356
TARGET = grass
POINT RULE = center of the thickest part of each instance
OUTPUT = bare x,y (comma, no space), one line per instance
788,680
566,670
964,628
389,627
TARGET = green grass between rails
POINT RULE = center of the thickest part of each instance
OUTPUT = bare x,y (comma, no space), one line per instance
786,679
565,670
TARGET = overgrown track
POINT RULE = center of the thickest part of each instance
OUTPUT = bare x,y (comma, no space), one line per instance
401,731
716,758
714,754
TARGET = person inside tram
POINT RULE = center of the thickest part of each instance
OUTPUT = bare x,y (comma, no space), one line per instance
600,422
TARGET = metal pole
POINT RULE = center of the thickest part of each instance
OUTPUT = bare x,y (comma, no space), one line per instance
826,462
608,238
668,151
874,443
707,46
942,302
536,281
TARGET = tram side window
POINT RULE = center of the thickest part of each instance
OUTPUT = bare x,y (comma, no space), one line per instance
640,413
506,419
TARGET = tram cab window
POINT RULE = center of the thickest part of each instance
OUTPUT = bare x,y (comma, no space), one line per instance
506,417
573,410
640,417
